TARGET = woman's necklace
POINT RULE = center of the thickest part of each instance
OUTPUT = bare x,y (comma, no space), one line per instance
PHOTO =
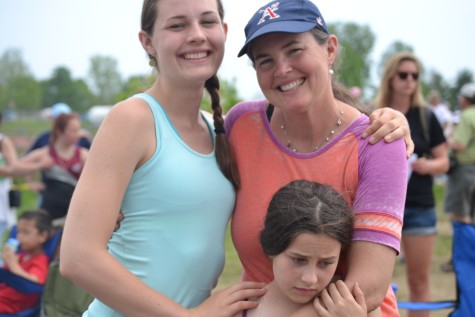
338,123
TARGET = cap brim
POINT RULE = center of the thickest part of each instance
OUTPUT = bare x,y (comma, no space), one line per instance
280,26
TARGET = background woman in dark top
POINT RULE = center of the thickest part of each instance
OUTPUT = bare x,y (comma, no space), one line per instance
401,90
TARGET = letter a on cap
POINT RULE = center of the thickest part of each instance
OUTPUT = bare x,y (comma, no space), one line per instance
269,12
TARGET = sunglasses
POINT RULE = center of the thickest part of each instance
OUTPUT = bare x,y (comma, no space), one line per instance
404,75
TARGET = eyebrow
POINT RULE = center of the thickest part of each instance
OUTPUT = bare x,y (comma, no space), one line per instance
292,42
181,17
305,256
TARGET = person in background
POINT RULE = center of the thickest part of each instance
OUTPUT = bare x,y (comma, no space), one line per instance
401,90
44,138
441,111
31,263
460,193
309,128
307,229
61,162
8,156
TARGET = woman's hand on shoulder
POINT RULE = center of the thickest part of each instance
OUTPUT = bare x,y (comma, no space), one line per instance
337,301
230,301
391,125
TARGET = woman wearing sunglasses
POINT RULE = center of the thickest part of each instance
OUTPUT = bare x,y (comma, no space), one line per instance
401,90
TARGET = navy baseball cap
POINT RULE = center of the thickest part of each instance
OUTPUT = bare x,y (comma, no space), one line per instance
289,16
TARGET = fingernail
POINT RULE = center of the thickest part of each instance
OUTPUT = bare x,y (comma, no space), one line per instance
364,135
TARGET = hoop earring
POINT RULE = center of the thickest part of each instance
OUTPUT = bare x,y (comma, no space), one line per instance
152,62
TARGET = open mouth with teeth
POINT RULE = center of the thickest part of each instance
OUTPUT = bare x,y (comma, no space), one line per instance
292,85
194,56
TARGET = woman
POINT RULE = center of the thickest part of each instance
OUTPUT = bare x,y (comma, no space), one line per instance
61,161
401,90
307,130
154,158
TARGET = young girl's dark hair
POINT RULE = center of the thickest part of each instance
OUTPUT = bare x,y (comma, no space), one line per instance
304,206
224,154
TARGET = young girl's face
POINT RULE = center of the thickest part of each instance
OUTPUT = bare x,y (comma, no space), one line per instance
307,266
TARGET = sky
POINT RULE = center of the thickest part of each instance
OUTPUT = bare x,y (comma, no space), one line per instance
52,33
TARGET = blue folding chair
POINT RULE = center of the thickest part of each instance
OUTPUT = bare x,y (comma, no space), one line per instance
463,258
26,286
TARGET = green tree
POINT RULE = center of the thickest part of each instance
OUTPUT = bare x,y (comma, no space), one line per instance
135,84
394,48
18,88
356,43
12,66
105,79
436,81
61,87
27,93
464,76
228,96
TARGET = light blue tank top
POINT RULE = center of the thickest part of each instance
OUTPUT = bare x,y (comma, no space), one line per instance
176,209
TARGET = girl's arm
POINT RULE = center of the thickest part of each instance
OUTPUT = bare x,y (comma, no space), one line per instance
125,140
371,265
391,125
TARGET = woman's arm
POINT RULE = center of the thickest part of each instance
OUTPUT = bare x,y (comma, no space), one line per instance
8,150
391,125
125,140
9,153
371,265
33,161
438,163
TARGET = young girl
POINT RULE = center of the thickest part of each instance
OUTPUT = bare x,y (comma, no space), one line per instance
307,228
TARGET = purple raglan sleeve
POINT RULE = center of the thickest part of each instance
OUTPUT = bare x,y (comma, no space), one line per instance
380,197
